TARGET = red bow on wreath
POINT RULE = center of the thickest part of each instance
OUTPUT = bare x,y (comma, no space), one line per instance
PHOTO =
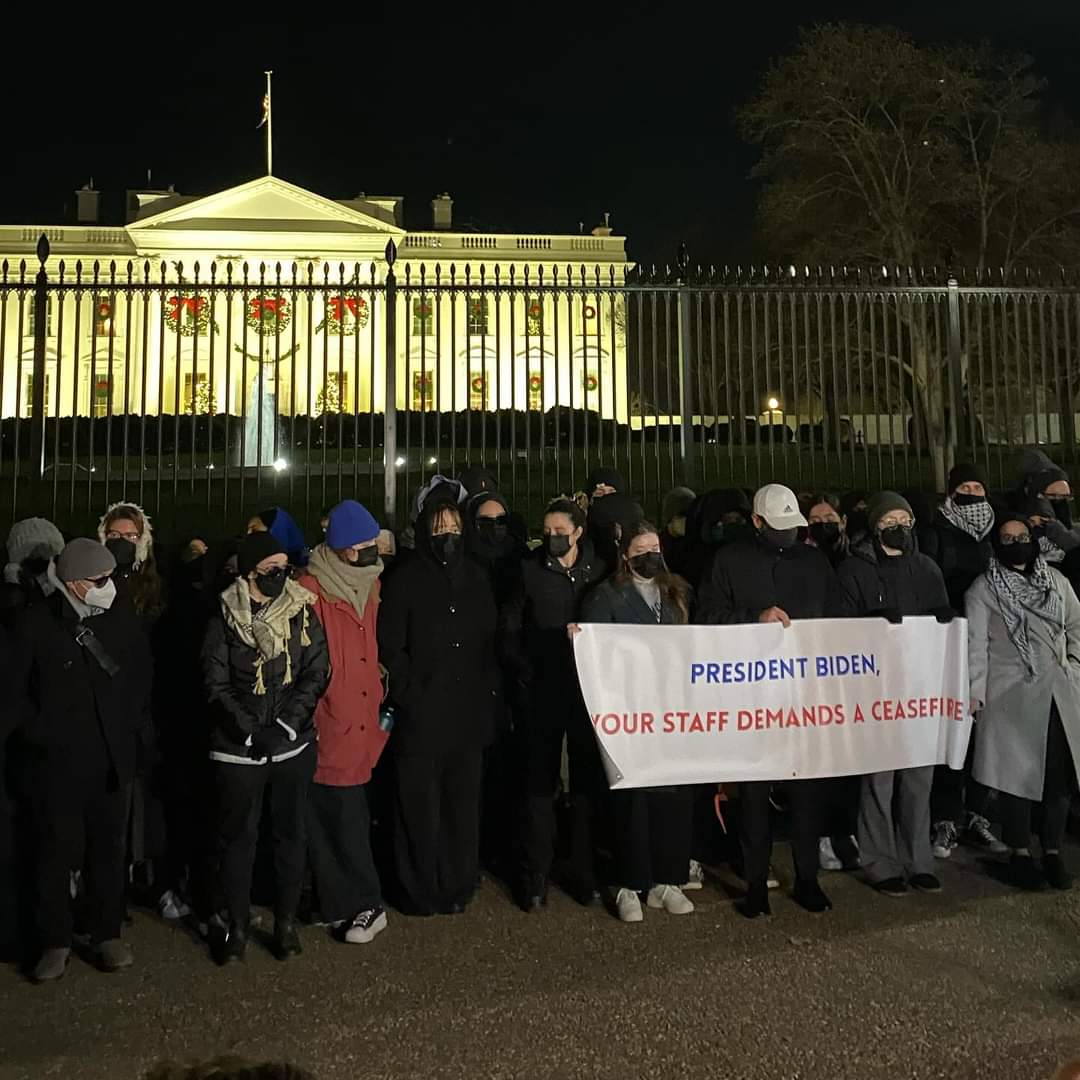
354,305
261,307
190,304
535,382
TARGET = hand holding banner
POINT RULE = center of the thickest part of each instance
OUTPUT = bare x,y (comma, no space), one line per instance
823,697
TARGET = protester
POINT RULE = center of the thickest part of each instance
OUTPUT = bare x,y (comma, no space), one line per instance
80,686
652,824
772,578
265,666
280,524
887,577
1039,477
827,528
31,544
437,639
125,529
958,540
490,543
343,574
853,511
612,511
715,519
552,583
1024,665
673,540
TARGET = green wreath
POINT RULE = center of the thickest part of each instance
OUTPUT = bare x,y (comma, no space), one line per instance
189,315
344,314
268,314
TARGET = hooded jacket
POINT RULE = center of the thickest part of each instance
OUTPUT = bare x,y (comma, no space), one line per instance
700,549
500,559
436,632
347,716
872,583
747,578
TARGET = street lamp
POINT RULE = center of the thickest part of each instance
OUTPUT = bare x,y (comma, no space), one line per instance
774,403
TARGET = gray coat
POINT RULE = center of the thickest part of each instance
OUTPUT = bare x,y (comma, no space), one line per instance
1010,732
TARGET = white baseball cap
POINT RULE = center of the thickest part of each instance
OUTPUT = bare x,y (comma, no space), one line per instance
779,507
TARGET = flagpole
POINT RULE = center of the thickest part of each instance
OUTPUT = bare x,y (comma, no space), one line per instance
269,128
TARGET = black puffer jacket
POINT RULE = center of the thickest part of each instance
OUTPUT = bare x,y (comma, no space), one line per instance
960,557
498,558
73,715
746,578
230,676
437,640
872,582
547,598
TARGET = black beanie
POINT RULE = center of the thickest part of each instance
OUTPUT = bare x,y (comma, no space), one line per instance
884,502
611,477
254,548
965,473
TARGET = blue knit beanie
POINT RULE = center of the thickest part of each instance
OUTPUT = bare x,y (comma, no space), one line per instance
350,523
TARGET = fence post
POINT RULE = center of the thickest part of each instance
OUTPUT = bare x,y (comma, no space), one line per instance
686,378
956,394
38,398
390,392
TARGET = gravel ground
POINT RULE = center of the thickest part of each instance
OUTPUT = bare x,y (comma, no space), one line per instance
978,981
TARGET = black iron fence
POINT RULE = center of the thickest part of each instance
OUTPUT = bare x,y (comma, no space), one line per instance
206,393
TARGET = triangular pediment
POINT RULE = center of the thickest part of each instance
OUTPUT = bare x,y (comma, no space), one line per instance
266,205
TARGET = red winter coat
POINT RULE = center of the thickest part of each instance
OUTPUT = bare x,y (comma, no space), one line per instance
347,717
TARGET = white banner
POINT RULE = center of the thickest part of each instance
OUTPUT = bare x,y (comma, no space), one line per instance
824,697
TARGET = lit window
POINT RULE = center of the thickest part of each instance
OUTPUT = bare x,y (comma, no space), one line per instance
31,316
534,315
478,315
477,390
423,383
423,316
102,324
28,394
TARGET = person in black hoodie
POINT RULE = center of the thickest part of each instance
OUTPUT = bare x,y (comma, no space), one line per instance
958,540
80,686
265,666
887,577
437,624
716,519
552,584
774,578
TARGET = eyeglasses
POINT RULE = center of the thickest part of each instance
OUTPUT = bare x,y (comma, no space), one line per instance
115,534
500,520
98,582
1009,539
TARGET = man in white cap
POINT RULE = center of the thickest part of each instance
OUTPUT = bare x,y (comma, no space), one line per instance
81,686
772,578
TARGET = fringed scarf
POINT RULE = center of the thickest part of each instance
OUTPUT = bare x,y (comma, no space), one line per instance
1021,595
339,581
268,628
976,519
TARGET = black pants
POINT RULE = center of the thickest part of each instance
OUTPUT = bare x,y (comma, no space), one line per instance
839,801
955,790
755,828
545,730
437,829
339,846
80,819
241,789
652,827
1059,782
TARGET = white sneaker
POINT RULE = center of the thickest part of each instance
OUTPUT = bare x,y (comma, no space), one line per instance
827,858
171,906
772,881
943,839
696,878
366,926
671,899
628,904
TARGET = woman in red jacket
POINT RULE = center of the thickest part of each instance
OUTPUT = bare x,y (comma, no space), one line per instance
344,574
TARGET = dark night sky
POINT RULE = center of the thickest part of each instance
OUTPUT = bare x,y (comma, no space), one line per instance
532,125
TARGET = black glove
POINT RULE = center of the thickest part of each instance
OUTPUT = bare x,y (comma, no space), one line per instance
265,743
943,614
891,614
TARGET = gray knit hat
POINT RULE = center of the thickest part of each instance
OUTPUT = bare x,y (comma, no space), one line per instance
84,560
33,538
877,506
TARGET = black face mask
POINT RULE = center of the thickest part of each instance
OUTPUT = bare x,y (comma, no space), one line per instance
778,539
1063,511
366,556
857,522
826,534
447,548
718,533
494,530
556,545
35,566
123,551
1016,555
272,585
898,537
968,500
647,565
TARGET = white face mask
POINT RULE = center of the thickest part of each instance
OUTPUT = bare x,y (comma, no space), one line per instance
101,596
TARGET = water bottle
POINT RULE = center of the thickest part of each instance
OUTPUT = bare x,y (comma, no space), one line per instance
386,717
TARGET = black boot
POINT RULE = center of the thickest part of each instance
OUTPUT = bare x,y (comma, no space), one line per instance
809,895
286,939
534,895
756,900
232,947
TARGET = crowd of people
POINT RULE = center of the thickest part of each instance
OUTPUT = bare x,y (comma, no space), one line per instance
379,719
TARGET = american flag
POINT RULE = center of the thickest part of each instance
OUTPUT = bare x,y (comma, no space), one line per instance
265,111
